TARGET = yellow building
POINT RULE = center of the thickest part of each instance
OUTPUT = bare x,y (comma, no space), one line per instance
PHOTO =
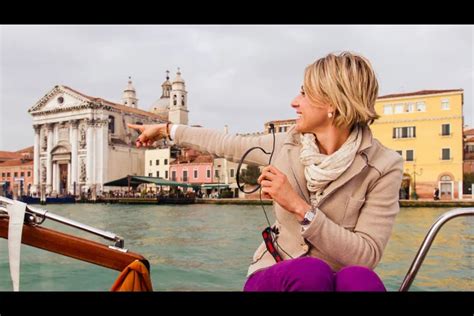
426,128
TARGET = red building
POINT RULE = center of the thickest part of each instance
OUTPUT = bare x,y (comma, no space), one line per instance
16,171
469,151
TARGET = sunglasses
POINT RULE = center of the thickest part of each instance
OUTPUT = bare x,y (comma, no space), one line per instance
268,239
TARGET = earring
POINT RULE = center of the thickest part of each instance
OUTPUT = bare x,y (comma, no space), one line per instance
329,114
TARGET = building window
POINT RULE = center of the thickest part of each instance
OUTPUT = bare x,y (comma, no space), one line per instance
195,174
173,175
111,124
166,161
185,175
445,129
216,173
387,109
3,174
150,174
29,173
15,174
166,174
470,148
151,162
8,174
398,108
400,152
22,174
445,178
410,155
410,107
420,106
231,173
157,174
445,104
404,132
182,100
208,173
157,162
446,154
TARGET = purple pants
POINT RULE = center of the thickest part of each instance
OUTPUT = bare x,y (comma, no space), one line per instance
312,274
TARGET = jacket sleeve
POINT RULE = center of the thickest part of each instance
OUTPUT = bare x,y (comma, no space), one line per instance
220,144
364,246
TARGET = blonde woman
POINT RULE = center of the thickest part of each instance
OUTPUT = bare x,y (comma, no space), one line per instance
335,188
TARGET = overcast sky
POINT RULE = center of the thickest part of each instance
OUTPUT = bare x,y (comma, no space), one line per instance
239,75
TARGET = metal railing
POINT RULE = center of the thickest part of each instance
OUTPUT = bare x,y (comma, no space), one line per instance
426,244
35,213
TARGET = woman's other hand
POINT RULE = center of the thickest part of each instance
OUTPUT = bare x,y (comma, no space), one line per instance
275,185
149,133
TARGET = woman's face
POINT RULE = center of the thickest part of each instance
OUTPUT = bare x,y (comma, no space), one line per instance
311,117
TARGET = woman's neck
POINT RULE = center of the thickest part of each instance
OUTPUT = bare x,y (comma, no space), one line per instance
330,139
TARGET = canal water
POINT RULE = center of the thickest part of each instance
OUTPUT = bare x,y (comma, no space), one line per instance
205,247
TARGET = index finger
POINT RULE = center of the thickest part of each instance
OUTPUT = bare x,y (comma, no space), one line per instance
141,128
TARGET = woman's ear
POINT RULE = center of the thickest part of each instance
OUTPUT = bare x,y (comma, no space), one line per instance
331,108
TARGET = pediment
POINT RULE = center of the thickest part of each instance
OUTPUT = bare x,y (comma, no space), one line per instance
61,148
60,98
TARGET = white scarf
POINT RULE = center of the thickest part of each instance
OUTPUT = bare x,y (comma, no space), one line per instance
321,169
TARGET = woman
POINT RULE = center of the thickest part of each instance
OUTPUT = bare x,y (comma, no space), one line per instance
335,188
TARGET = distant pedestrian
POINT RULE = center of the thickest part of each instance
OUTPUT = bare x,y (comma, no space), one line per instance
436,194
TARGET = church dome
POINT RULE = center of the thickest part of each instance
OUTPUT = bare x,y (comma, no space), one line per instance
161,105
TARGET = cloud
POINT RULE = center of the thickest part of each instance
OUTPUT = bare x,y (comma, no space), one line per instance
240,75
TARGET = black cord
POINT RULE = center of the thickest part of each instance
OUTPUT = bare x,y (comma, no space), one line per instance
259,187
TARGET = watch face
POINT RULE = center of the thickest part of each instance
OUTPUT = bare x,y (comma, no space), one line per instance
309,216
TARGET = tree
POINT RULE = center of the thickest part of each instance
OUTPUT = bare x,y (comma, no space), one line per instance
250,175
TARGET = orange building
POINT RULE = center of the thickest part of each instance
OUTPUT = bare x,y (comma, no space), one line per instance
16,171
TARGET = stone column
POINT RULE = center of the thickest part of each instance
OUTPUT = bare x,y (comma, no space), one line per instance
101,141
74,159
105,152
55,178
49,170
36,160
90,153
460,189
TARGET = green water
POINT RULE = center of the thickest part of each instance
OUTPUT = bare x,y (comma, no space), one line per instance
208,248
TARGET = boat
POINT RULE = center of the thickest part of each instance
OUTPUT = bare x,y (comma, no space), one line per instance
21,222
118,258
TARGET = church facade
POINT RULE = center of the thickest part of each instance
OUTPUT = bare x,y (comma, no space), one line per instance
82,142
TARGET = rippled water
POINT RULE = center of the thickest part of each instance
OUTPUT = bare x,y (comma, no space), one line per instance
208,248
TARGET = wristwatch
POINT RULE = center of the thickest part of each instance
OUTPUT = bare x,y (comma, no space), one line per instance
308,217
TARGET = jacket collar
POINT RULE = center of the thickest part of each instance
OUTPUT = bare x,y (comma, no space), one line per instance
360,162
293,138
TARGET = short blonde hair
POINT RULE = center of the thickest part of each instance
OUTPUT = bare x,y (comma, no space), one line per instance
348,83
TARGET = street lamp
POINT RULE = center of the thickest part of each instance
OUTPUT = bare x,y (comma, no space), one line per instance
414,195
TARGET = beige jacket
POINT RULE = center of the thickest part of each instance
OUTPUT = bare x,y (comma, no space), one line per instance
356,211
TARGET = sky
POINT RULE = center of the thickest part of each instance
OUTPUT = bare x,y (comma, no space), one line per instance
236,75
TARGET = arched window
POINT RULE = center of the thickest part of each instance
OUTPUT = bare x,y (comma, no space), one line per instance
182,100
174,100
445,178
111,124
